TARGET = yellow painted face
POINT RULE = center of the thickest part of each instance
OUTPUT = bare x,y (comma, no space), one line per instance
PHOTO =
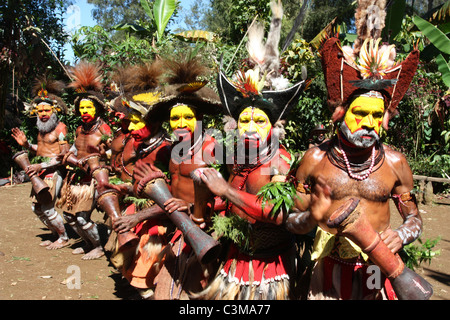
365,112
254,120
87,108
136,122
44,110
183,117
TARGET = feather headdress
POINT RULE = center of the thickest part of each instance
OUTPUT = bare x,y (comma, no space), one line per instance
367,66
87,77
87,83
259,87
266,55
140,87
48,90
186,86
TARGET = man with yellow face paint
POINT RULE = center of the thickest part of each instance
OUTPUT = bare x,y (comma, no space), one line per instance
147,143
51,141
191,149
355,164
183,122
261,265
92,137
363,120
254,123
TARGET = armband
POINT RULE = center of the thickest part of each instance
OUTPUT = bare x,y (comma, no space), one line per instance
401,199
303,188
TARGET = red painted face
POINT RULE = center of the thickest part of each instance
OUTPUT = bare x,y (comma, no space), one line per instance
87,111
141,134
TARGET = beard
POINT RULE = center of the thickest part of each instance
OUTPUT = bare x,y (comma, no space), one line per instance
49,125
362,138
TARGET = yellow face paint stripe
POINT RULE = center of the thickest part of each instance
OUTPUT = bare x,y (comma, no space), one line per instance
247,122
182,116
136,122
365,112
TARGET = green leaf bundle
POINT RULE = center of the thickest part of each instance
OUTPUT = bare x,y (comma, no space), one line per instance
234,228
281,195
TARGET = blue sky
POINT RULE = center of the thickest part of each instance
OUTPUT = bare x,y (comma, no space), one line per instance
80,15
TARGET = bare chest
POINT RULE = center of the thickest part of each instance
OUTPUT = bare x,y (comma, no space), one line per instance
48,145
87,143
376,188
251,182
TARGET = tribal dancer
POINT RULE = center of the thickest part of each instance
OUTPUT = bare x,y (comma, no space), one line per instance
51,141
118,121
364,86
261,264
91,137
185,100
147,144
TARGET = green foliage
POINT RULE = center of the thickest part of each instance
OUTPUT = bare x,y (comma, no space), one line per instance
415,132
305,116
234,228
413,255
444,69
39,159
298,55
115,180
28,30
281,195
162,12
393,21
321,12
97,44
114,12
140,203
436,36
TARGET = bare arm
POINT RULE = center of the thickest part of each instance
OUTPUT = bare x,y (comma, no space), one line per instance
309,207
245,201
303,220
128,222
406,204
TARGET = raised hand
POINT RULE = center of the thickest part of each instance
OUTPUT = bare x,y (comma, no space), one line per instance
20,137
320,199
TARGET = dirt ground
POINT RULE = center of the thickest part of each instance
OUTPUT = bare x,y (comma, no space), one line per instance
30,272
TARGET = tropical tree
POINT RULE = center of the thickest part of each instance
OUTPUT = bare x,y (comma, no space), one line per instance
32,40
109,13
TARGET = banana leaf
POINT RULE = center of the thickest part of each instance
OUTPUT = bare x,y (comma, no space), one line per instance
162,12
146,6
130,27
436,36
441,15
394,18
445,27
443,69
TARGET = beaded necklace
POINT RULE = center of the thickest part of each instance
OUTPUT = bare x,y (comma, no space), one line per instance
359,177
